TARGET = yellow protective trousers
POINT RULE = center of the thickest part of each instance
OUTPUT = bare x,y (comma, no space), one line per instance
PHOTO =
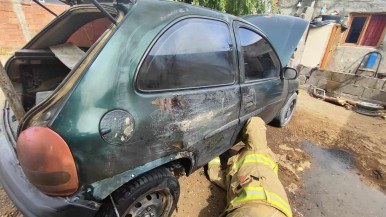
251,180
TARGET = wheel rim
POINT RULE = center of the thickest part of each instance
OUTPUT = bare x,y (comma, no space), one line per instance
290,111
153,204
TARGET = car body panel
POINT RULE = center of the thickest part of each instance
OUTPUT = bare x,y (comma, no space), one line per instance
78,121
24,195
262,97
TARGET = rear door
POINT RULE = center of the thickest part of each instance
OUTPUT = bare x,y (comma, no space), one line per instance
262,88
190,77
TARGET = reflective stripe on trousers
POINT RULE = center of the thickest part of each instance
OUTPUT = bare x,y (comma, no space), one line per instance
259,193
215,161
256,158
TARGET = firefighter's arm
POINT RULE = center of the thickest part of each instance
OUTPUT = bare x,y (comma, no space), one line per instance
216,175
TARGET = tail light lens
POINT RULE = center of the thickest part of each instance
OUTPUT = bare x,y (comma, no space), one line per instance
47,161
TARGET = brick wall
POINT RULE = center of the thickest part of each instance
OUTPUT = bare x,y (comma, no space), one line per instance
344,84
16,15
11,35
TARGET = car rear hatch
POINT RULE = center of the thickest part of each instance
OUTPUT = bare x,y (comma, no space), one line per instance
49,65
41,78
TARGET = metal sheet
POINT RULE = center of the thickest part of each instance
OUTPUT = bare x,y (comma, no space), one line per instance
68,54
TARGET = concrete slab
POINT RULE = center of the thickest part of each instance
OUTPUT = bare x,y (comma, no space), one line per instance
307,71
312,81
352,89
320,74
378,95
302,79
373,83
343,77
328,85
381,83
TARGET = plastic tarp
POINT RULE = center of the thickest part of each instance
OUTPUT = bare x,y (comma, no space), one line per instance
316,24
284,32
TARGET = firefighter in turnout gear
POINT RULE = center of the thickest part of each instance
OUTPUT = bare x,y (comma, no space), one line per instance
251,178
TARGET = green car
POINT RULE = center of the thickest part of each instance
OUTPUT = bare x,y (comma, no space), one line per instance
121,97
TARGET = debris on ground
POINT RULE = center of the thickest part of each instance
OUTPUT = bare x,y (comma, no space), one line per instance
321,94
370,109
364,108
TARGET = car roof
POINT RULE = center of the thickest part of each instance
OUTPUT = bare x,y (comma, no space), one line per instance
165,11
179,8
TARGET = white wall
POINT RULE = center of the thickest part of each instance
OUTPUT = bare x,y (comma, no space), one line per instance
316,44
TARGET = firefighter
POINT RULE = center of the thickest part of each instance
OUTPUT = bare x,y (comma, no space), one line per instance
251,177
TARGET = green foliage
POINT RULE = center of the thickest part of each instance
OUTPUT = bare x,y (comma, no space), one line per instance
274,8
213,4
238,7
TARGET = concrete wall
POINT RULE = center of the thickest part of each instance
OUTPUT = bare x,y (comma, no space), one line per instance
20,21
347,58
344,84
315,46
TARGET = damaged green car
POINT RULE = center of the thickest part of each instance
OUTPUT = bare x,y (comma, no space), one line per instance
118,96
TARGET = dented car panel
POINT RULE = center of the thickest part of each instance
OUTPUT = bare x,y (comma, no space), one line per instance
118,128
109,84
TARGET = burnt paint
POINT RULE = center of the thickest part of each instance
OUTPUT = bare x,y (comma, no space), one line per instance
166,124
101,189
108,84
117,126
268,98
187,118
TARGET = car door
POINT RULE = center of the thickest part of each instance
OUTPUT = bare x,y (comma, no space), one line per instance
262,88
190,77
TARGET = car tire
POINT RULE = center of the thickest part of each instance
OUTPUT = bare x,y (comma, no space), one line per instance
286,112
153,194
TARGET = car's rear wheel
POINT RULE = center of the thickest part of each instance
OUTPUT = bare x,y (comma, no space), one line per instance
154,194
286,112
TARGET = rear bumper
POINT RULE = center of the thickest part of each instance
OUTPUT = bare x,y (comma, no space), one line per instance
29,200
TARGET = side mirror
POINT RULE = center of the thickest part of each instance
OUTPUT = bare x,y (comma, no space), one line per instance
290,73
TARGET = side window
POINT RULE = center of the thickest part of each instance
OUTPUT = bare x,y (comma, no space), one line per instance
192,53
260,61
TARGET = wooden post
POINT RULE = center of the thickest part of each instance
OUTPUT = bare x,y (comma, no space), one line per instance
10,94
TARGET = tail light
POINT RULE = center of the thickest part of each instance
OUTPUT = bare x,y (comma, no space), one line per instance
47,161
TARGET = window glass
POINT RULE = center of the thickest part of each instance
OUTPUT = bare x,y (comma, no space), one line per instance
192,53
260,61
355,29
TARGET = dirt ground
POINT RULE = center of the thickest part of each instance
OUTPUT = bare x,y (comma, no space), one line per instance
318,122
